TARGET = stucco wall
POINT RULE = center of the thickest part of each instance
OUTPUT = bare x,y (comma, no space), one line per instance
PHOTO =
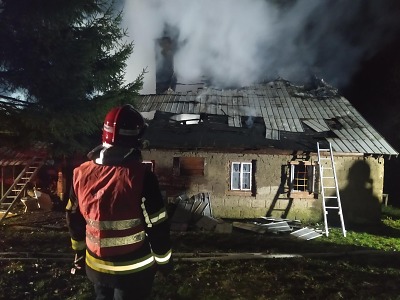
361,186
360,182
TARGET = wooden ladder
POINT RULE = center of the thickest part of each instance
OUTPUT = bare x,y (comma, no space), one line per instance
16,190
329,186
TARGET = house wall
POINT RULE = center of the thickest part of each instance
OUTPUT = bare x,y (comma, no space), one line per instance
360,182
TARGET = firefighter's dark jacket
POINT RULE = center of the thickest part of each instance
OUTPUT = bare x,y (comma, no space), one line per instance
116,212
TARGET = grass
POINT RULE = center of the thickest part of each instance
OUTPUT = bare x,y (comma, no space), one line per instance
384,236
344,276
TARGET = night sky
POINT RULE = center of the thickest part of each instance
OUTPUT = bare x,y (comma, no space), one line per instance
375,92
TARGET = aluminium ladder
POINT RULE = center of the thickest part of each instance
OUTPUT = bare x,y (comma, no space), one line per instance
329,186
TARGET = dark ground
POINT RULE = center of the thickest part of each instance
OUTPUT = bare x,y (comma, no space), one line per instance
332,277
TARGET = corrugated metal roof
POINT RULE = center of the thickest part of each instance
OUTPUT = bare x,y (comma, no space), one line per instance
16,157
287,111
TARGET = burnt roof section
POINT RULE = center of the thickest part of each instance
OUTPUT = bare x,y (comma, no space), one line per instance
276,114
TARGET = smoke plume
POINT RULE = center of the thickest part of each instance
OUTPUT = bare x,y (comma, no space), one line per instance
236,43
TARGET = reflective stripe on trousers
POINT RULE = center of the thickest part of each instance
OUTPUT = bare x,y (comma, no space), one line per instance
119,267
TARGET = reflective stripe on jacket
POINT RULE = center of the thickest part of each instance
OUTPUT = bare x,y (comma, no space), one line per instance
119,268
110,201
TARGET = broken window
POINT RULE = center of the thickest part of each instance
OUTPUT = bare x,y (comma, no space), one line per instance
188,166
241,176
302,178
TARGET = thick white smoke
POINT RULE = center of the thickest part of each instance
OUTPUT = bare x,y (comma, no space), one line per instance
236,43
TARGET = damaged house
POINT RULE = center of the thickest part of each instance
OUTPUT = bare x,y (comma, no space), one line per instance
254,150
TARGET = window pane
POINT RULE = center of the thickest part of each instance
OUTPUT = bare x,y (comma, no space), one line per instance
236,167
246,167
246,181
235,181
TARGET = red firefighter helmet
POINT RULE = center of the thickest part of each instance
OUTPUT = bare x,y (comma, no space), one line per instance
123,126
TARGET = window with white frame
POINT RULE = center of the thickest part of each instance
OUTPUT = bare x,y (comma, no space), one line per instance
302,177
241,176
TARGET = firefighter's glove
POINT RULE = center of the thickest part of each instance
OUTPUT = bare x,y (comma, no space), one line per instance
79,263
166,269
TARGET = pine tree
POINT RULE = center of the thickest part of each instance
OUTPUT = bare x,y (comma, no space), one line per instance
62,67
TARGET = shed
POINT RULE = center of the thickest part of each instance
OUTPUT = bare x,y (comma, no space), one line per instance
18,169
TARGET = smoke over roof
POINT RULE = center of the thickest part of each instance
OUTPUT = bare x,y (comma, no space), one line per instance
237,43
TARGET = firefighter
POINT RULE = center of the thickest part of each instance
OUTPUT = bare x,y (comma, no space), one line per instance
116,216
